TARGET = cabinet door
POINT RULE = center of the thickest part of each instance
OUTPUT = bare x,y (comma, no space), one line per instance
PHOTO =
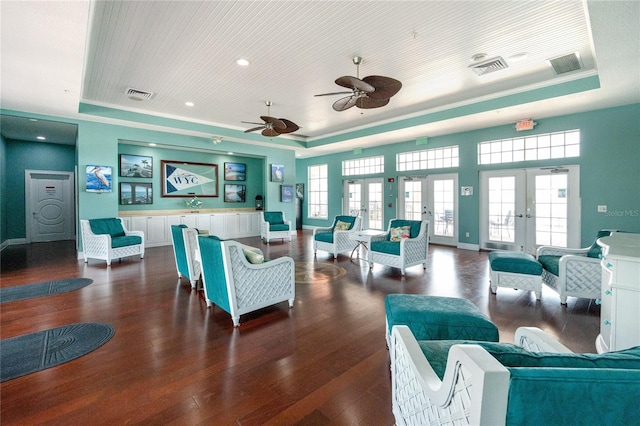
190,220
232,225
217,225
139,223
202,222
157,230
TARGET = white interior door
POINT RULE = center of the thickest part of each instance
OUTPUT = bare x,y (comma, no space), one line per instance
524,209
49,206
433,198
364,197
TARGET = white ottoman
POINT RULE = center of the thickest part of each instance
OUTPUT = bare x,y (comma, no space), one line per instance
515,270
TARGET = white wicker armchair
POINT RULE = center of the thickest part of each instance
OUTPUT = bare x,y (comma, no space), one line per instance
336,241
475,388
409,252
572,272
237,286
185,244
274,225
111,241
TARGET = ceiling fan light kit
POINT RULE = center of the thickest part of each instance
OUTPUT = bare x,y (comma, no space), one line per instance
373,91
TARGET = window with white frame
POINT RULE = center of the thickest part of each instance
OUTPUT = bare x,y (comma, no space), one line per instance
529,148
435,158
363,166
318,192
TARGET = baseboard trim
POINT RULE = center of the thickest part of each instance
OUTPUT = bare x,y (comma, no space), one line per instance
12,242
472,247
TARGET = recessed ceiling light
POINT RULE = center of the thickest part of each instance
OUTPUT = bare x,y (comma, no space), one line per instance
152,144
478,57
189,104
242,62
518,56
41,138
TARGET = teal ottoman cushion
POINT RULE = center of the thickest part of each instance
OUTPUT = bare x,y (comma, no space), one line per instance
439,318
514,262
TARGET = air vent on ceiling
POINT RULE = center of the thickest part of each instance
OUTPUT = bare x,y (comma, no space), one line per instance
488,66
139,95
566,63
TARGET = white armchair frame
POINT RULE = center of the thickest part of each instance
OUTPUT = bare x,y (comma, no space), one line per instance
266,234
413,251
190,242
98,246
249,287
578,275
473,391
341,241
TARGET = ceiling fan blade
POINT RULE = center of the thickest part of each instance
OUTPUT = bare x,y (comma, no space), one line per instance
385,87
354,83
270,132
251,122
365,102
275,122
291,126
334,93
255,128
345,103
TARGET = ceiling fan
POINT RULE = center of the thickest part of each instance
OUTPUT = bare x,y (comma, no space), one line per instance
273,126
373,91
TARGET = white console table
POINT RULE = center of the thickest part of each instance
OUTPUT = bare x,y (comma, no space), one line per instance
620,314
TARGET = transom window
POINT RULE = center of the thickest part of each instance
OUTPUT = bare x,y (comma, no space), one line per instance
318,192
435,158
529,148
363,166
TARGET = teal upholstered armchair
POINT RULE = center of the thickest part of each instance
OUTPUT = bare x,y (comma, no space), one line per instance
274,225
405,244
184,250
535,381
573,272
108,239
237,279
335,239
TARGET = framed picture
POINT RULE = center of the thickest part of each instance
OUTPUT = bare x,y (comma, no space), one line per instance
136,193
235,171
99,178
184,179
286,193
234,193
136,166
277,173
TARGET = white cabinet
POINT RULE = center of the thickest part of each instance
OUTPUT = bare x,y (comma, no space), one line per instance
620,314
157,228
154,227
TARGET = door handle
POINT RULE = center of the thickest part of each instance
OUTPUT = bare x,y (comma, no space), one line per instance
529,216
519,215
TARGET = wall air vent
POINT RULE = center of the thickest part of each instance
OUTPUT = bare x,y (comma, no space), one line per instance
566,63
489,66
139,95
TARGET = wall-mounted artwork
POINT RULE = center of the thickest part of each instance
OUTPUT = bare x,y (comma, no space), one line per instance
136,166
98,178
136,193
235,171
286,193
277,173
184,179
234,193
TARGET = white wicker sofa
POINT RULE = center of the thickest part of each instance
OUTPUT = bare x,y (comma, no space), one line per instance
108,239
539,382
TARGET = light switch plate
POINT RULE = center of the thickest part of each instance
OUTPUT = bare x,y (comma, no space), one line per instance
602,209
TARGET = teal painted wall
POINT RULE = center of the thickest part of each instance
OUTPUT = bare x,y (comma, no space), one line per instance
3,191
255,183
21,156
609,169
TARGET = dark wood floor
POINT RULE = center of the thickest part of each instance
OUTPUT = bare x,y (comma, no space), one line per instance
172,360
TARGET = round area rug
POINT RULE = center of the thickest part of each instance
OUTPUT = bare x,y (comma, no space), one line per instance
314,272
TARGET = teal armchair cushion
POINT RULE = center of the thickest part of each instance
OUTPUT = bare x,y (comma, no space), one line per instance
595,250
279,227
111,226
550,263
127,240
514,262
388,247
180,249
274,218
325,237
414,226
348,219
213,270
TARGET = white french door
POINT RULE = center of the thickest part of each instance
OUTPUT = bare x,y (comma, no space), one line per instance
524,209
364,197
434,198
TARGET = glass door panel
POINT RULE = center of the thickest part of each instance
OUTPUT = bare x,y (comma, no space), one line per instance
364,197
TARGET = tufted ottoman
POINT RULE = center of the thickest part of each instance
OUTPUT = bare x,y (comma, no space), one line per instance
439,318
515,270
